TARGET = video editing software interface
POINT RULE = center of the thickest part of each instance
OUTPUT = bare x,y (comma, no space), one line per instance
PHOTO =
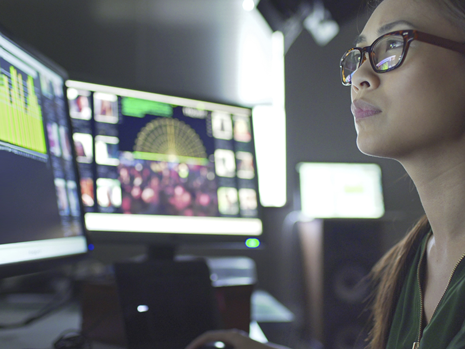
39,203
163,164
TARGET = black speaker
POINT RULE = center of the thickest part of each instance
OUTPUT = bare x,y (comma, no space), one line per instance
338,255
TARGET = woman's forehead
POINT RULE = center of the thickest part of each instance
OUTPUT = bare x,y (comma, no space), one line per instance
402,14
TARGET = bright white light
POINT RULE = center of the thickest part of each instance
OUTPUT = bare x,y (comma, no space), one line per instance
256,333
277,66
253,77
248,5
26,251
219,345
252,60
269,122
72,93
105,97
172,224
142,308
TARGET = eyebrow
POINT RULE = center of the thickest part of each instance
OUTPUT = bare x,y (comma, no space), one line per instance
384,29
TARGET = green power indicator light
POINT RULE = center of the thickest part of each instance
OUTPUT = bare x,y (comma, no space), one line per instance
252,243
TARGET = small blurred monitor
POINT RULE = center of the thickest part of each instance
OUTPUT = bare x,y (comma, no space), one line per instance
41,216
341,190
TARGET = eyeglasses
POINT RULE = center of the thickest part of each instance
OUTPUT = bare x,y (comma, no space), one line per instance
389,51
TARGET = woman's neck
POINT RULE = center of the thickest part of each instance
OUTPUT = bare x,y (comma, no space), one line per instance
440,182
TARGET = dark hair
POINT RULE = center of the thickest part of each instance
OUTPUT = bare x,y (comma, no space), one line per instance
452,9
455,10
387,276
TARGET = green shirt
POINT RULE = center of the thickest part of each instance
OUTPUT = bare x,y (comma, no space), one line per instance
447,326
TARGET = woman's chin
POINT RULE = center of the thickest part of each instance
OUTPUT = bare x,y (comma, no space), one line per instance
373,149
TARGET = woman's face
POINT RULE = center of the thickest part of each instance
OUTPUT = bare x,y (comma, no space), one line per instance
419,108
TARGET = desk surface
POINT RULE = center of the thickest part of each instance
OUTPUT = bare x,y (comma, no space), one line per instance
42,333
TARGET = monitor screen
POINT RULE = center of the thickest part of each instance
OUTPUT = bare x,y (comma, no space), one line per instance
41,214
163,166
341,190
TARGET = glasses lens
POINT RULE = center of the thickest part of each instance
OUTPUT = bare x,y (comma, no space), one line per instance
349,64
387,52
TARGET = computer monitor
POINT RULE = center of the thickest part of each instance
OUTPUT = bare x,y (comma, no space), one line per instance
41,222
164,170
341,190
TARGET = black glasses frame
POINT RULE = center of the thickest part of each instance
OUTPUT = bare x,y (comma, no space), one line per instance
408,36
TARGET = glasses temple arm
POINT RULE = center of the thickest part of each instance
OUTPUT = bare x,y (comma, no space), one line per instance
441,42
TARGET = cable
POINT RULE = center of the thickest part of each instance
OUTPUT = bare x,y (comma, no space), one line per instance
72,339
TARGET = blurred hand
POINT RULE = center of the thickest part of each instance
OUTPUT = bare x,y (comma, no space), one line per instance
237,339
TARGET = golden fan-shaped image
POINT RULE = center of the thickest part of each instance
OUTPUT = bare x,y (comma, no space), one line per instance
170,137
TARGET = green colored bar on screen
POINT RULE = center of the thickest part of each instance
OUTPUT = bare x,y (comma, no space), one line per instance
21,120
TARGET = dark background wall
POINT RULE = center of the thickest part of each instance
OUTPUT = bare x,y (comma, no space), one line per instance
128,43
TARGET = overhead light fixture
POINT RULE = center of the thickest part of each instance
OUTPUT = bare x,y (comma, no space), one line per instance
320,24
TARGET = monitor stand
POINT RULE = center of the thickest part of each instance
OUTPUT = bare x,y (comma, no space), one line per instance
160,252
166,302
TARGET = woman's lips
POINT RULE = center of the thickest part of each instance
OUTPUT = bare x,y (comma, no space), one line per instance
361,109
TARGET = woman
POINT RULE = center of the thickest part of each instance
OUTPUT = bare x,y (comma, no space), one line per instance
408,102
